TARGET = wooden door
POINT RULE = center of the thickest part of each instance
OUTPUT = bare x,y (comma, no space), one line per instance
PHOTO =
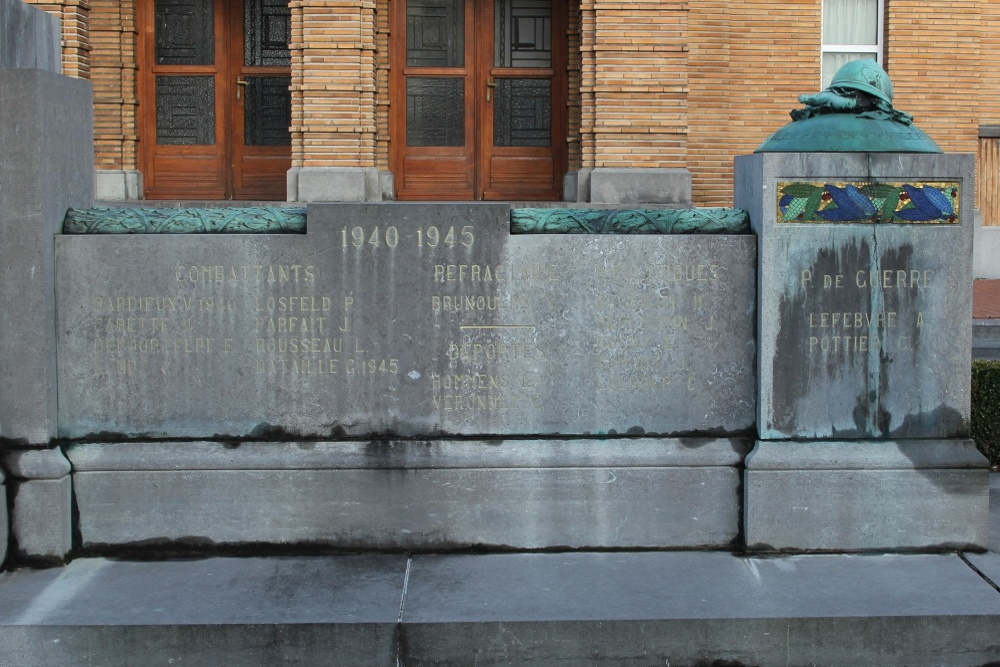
478,99
214,101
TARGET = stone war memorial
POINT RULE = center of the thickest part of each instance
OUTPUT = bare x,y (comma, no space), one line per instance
458,433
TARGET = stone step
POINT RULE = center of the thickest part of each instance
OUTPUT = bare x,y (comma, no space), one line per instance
576,608
986,339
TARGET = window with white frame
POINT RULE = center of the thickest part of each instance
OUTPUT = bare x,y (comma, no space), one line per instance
852,29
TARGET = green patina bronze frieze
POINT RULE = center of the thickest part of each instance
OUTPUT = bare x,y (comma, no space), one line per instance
223,220
629,221
895,203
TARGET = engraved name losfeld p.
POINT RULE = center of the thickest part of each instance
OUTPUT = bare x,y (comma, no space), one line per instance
374,328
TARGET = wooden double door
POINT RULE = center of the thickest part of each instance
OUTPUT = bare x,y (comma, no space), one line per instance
478,99
214,98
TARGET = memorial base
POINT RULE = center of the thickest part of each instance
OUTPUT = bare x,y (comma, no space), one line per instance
866,496
532,494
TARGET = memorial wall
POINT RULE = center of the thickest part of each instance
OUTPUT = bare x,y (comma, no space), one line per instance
405,321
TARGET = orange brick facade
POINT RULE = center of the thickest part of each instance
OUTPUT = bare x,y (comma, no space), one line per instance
652,83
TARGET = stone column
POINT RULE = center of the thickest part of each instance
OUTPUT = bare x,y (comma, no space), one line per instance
864,345
333,101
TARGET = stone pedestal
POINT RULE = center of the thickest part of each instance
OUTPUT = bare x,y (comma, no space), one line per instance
46,166
864,337
117,184
40,495
338,184
669,187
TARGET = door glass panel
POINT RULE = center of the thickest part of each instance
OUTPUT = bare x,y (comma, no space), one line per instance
523,33
267,29
185,110
184,32
435,33
267,112
522,113
435,111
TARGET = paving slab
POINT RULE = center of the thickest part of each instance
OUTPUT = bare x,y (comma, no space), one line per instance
223,611
988,565
579,608
685,607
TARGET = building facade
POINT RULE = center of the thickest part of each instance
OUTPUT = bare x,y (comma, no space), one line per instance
521,100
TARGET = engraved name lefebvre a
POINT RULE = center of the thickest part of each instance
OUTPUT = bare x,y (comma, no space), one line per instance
871,324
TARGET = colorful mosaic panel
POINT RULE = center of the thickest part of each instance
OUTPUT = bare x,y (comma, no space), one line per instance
899,203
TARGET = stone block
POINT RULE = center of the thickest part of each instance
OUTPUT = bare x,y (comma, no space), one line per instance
688,608
866,496
117,184
335,184
576,185
640,493
410,320
4,520
29,38
46,166
40,492
334,610
863,328
986,256
641,186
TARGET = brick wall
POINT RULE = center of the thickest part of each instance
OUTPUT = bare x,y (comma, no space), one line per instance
933,53
633,83
333,86
113,39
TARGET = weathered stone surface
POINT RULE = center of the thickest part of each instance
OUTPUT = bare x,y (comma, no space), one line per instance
41,520
46,166
29,38
36,464
40,489
693,608
866,496
334,184
412,320
117,184
339,610
861,327
4,521
640,493
638,186
680,608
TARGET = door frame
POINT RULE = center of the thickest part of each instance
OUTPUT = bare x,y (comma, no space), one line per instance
479,67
